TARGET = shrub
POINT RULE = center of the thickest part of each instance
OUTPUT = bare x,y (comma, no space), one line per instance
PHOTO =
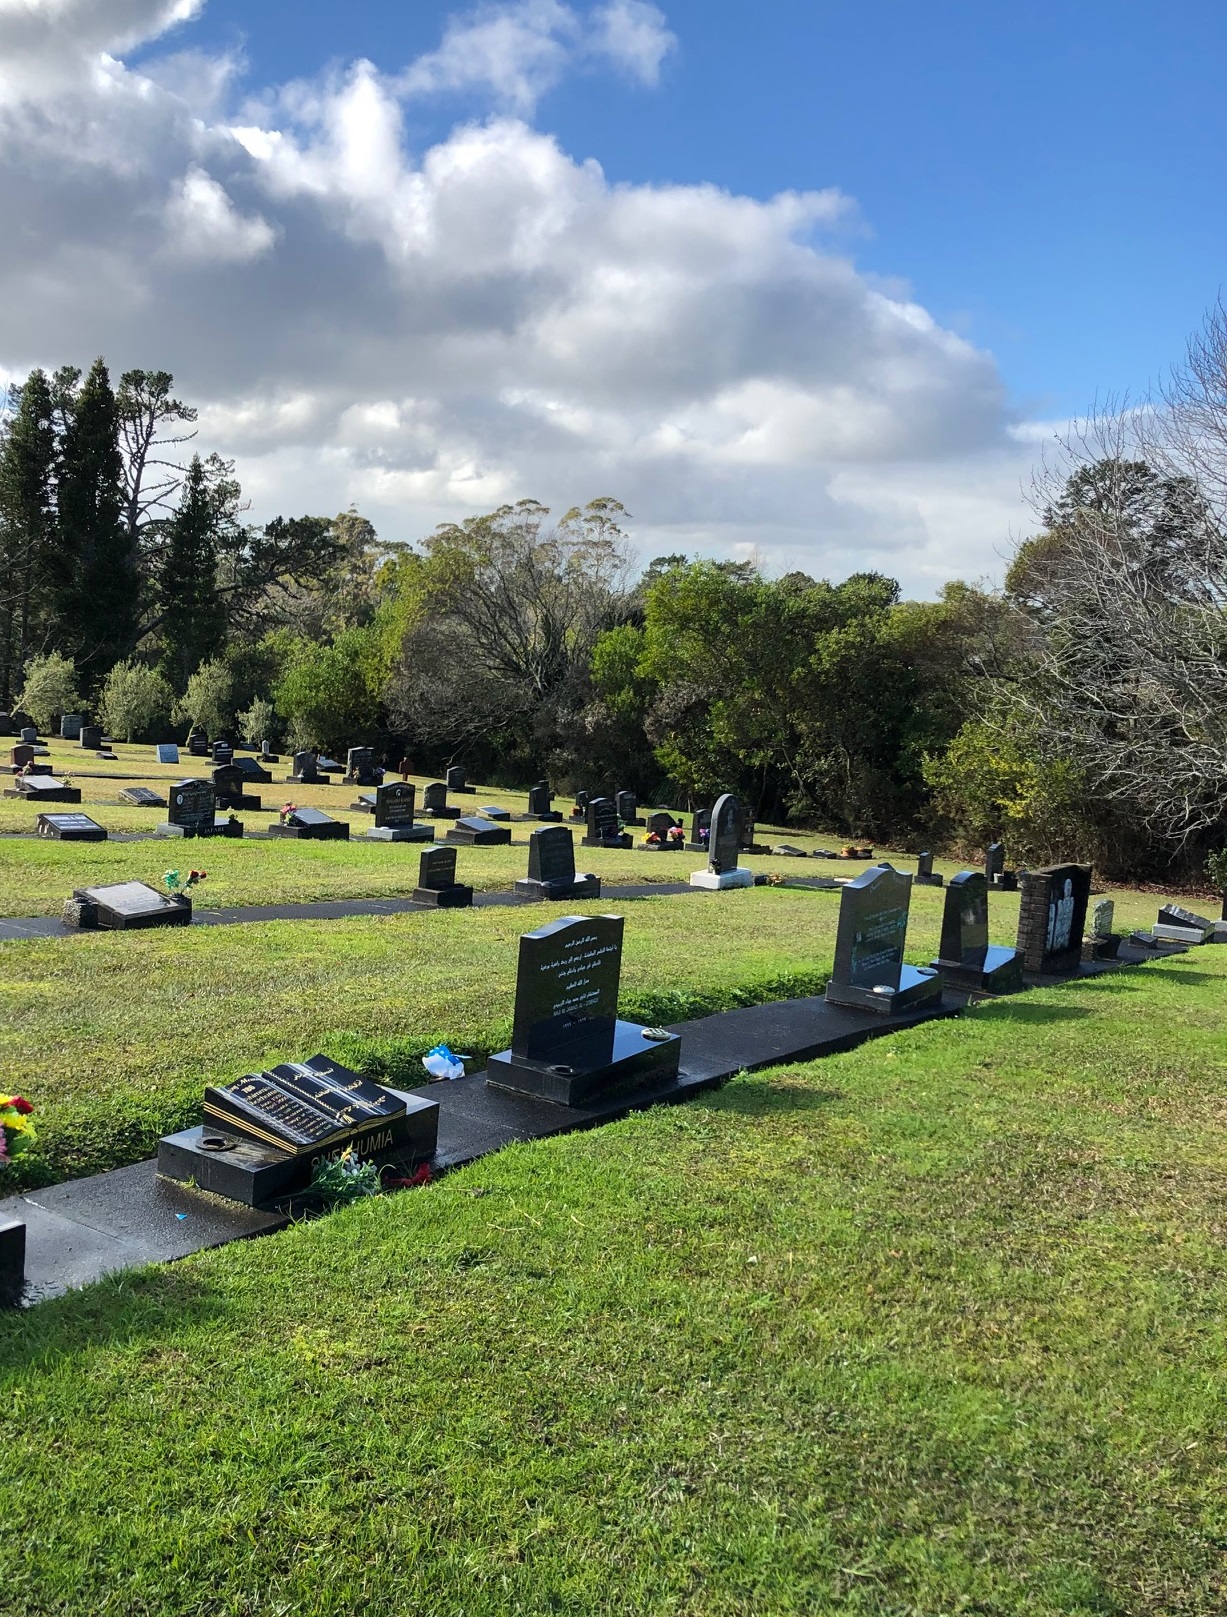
209,699
136,701
256,724
50,689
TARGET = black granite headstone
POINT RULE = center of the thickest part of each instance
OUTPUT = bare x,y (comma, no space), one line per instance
539,799
493,811
1052,918
472,831
627,805
869,967
229,785
223,753
603,828
659,826
724,843
70,828
966,959
253,772
360,766
193,807
925,876
306,769
437,884
435,804
700,831
395,804
568,1044
126,906
197,742
994,862
1180,925
456,782
551,867
311,825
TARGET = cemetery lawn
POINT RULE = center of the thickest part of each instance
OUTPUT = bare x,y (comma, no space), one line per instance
936,1326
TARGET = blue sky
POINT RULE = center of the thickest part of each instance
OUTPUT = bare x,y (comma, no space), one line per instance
813,282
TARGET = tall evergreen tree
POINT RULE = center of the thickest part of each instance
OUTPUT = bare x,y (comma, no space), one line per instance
97,598
27,528
193,613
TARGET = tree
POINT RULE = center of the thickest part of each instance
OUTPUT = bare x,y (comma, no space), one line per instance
144,409
50,689
136,701
256,723
208,700
27,526
193,621
330,694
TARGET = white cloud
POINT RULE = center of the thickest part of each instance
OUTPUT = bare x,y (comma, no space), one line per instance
430,333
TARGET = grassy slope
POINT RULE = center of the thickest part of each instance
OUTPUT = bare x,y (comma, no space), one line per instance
933,1327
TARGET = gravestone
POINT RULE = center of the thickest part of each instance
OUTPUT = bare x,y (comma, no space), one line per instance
1179,925
749,837
628,808
551,867
91,737
44,789
472,831
700,831
264,1135
394,807
229,783
492,811
869,971
723,850
191,809
360,766
306,770
253,773
21,755
311,825
167,752
457,783
435,804
1052,918
994,862
126,906
29,735
223,753
603,828
568,1044
966,959
70,828
1100,941
70,726
267,755
329,766
580,807
925,876
659,825
141,797
539,799
437,884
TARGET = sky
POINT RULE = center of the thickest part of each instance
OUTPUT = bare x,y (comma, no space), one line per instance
815,280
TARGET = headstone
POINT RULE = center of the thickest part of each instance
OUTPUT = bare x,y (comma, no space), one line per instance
1102,917
267,755
311,825
70,726
91,737
471,831
45,789
700,831
966,959
435,804
581,805
264,1135
924,871
360,766
329,766
1052,918
306,771
223,753
628,808
437,884
456,782
1178,925
492,811
141,797
659,826
394,807
568,1044
192,808
126,906
869,971
29,735
167,752
229,784
551,867
749,837
723,850
21,755
1101,942
994,862
70,828
539,799
603,828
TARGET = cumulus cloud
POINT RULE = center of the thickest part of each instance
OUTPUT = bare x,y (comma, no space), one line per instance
433,332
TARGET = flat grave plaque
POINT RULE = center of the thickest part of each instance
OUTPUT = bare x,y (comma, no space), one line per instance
471,831
45,789
437,884
1180,925
70,828
869,971
491,811
141,797
311,824
966,959
126,906
167,752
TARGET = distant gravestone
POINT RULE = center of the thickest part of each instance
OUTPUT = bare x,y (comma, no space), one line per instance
45,789
91,737
1052,918
472,831
141,797
252,771
966,959
603,828
869,970
167,752
29,735
1100,941
223,753
230,787
551,867
395,805
70,726
435,804
925,876
437,884
749,837
6,724
628,808
492,811
659,825
539,799
126,906
568,1044
306,771
192,808
360,766
581,805
70,828
723,850
21,755
700,831
457,782
310,825
197,742
329,766
994,863
267,755
1179,925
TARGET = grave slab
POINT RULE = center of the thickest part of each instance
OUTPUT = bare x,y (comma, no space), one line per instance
70,828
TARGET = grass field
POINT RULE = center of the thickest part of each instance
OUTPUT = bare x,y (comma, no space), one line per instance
933,1327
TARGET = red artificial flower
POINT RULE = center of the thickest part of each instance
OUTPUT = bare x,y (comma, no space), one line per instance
21,1105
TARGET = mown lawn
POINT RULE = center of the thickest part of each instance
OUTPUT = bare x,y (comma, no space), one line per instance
934,1327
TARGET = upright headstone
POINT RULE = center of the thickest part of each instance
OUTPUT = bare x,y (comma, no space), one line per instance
21,755
70,726
167,752
1100,941
395,802
1052,918
435,804
628,808
7,726
924,871
456,782
306,770
360,766
700,831
603,828
437,884
568,1044
223,753
267,755
91,737
749,836
994,862
539,799
966,959
29,735
869,971
659,825
230,789
551,867
192,808
723,850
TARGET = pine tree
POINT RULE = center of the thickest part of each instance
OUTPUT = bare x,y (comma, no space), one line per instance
27,528
193,613
97,598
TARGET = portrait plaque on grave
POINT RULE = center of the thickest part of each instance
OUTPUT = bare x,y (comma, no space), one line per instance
70,828
568,1044
46,789
311,825
966,959
603,828
700,831
437,884
1179,925
70,726
435,804
539,799
870,972
125,906
551,867
924,871
723,849
628,808
192,807
394,805
1052,918
167,752
471,831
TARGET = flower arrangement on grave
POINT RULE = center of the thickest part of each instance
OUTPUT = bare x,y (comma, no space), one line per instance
179,887
652,840
344,1178
704,833
677,834
286,812
17,1131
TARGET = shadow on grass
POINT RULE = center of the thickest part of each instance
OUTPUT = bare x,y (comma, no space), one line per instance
753,1096
1013,1010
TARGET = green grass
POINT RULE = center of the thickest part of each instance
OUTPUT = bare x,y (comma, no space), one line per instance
933,1327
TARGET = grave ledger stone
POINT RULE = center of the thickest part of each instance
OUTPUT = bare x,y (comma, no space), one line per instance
1178,925
568,1044
435,804
167,752
70,828
869,971
539,799
492,811
471,831
456,782
1052,918
141,797
394,806
12,1260
253,771
627,805
437,884
723,850
310,825
966,959
603,828
263,1136
44,789
126,906
551,867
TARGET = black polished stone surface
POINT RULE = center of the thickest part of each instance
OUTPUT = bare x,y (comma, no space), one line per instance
70,828
966,959
870,973
724,839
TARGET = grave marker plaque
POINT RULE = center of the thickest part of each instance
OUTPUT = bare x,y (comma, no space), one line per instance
167,752
141,797
471,831
437,884
723,849
1179,925
551,867
966,959
70,828
870,972
126,906
1052,918
45,789
492,811
568,1044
